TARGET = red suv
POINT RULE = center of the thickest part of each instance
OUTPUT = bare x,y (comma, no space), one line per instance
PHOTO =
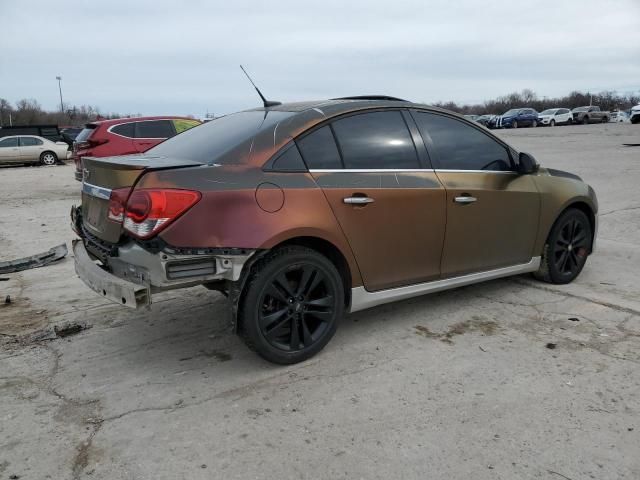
123,136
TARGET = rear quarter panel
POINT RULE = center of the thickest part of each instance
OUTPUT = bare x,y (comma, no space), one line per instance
229,215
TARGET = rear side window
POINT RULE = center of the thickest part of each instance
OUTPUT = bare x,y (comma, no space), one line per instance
462,147
319,150
377,140
289,161
30,142
9,142
124,129
154,129
181,125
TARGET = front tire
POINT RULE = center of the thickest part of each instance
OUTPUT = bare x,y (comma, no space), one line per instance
291,305
534,124
585,120
514,124
552,123
48,158
566,249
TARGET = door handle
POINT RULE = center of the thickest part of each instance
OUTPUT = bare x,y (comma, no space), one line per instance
465,199
357,200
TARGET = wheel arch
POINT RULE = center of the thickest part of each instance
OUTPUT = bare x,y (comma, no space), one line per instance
587,209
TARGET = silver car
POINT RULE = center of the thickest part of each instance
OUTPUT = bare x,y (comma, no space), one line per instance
32,149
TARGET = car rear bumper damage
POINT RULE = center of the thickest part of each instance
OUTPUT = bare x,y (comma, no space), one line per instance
129,274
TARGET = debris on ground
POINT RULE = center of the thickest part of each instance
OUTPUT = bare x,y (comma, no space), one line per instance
551,346
69,329
34,261
574,319
7,299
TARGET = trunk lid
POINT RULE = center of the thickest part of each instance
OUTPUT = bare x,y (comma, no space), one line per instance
102,175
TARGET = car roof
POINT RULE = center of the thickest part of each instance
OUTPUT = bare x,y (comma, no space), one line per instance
113,121
339,106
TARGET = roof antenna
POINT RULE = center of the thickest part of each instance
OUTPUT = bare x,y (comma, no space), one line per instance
267,103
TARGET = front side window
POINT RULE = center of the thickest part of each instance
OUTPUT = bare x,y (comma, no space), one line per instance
9,142
30,142
319,150
154,129
460,146
377,140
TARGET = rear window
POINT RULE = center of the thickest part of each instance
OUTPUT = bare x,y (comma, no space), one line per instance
85,133
210,141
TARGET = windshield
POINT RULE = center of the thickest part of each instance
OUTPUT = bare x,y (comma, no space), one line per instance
580,109
550,111
209,142
513,111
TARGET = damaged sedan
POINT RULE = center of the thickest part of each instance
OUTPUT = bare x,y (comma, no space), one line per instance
302,212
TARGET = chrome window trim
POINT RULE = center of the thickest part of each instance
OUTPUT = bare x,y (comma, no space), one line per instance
392,170
140,121
368,170
361,299
453,170
96,191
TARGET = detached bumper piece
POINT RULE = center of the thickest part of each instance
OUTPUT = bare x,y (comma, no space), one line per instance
120,291
39,260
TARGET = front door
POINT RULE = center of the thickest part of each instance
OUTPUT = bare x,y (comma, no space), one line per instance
389,206
9,150
492,211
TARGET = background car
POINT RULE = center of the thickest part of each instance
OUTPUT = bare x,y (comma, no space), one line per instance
635,114
516,117
69,134
472,117
590,114
32,149
485,119
619,117
555,116
123,136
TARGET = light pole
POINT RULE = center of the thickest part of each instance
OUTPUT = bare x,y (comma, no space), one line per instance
60,90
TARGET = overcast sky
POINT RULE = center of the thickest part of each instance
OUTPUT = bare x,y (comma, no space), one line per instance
179,57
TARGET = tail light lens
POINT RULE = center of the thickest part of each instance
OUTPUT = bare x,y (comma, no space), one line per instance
149,210
117,201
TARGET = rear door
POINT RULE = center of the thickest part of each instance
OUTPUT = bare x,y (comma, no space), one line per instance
149,133
375,173
125,133
492,211
31,148
9,150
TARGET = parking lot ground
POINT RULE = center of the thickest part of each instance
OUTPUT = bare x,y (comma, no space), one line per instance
510,379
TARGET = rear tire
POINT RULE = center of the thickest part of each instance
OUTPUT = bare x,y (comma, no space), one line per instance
605,120
48,158
566,249
291,305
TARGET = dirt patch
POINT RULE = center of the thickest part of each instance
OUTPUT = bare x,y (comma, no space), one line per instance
475,324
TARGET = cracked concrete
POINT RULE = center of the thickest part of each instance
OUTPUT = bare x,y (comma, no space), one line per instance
458,384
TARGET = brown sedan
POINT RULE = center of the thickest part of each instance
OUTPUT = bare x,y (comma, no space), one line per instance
304,211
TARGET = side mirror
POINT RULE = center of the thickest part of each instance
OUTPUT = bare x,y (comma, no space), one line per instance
527,164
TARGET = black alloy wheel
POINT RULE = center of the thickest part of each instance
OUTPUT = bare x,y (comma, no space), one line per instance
292,305
568,246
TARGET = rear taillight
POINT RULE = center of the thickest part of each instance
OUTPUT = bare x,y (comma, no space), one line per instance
117,202
149,210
